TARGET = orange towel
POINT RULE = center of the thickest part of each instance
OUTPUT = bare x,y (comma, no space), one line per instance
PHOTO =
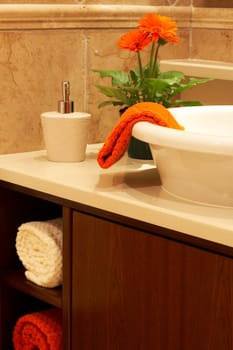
117,142
39,330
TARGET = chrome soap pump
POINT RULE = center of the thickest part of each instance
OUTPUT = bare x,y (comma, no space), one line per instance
65,105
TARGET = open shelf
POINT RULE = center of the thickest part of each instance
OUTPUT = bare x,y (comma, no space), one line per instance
16,279
200,68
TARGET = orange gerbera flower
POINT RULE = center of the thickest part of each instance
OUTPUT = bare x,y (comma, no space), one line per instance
146,82
134,40
159,27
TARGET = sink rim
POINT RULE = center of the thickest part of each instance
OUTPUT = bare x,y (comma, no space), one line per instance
179,139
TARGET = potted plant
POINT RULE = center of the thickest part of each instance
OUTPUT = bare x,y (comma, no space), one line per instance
146,82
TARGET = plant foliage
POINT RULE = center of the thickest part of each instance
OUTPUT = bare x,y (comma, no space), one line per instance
147,83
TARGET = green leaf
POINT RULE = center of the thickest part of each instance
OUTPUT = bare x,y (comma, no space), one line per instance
175,77
126,95
156,84
196,81
118,77
107,91
191,82
134,77
130,88
107,103
147,72
186,103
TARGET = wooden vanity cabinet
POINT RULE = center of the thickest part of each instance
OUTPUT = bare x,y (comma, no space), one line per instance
127,285
135,290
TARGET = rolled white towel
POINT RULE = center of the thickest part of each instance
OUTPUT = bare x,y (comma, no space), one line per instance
39,247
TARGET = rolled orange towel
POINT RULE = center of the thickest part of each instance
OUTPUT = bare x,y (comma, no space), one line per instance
39,330
117,141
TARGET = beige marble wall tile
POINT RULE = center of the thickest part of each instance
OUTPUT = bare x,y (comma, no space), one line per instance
103,53
216,92
215,28
213,3
214,44
197,3
173,2
32,66
69,16
117,2
35,1
143,2
70,44
34,62
212,18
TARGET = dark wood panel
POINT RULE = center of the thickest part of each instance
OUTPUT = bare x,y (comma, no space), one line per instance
136,291
67,274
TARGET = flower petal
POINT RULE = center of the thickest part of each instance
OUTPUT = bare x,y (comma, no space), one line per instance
159,27
134,40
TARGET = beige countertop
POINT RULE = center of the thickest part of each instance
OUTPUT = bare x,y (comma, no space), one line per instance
130,188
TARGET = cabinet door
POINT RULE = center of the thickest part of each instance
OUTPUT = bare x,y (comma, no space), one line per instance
136,291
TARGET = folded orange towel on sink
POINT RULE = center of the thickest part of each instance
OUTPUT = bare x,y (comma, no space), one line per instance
117,142
39,330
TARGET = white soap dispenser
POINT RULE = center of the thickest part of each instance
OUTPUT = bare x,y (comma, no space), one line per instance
65,131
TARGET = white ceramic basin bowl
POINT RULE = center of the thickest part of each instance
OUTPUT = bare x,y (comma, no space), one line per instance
195,164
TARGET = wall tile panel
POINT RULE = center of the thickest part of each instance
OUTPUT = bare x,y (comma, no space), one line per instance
32,66
215,44
213,3
43,44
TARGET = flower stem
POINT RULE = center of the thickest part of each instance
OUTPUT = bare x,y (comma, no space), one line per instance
154,70
140,65
151,58
141,75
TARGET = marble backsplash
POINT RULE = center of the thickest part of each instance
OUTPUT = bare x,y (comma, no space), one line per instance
197,3
41,45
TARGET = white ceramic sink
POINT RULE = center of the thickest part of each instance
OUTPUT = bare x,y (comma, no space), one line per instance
195,164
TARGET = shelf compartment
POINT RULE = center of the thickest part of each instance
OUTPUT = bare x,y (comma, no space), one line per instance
17,280
200,68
